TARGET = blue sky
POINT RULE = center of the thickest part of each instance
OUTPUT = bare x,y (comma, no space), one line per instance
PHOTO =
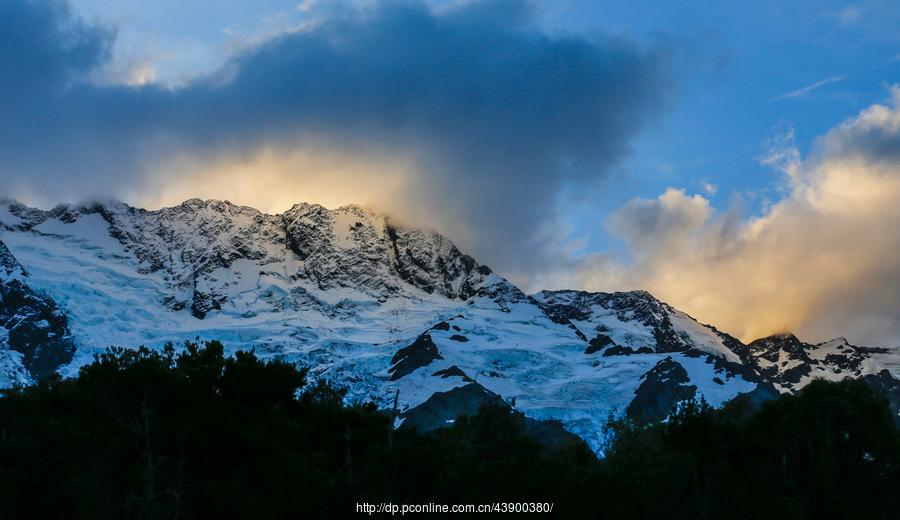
741,75
745,72
569,144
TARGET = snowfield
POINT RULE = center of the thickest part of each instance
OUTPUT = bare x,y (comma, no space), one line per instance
370,305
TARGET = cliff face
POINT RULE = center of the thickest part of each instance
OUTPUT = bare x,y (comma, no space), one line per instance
371,305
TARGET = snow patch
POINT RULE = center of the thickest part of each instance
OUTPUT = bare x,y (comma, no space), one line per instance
90,231
334,300
702,337
6,216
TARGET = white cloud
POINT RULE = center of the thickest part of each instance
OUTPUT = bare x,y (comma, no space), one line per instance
804,91
823,261
445,133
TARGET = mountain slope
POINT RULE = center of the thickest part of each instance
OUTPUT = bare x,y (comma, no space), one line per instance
791,364
34,333
364,302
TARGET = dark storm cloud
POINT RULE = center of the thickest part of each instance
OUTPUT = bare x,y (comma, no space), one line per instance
821,261
43,49
496,114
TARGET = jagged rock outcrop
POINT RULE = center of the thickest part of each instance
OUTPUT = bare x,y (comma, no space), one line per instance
31,324
375,306
665,386
791,364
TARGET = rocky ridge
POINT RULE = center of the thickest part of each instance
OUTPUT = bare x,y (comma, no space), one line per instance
375,306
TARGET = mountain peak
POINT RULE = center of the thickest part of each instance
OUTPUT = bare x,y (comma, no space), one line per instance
205,248
9,266
353,295
306,207
778,337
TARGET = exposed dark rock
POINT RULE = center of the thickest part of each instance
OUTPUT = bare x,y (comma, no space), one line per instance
619,350
204,303
306,229
421,353
597,343
730,368
424,268
348,248
664,386
442,408
173,303
504,294
873,350
35,324
9,266
581,335
453,371
766,352
632,306
564,311
785,360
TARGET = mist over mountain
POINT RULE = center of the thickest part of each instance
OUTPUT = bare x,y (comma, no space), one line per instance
386,310
629,259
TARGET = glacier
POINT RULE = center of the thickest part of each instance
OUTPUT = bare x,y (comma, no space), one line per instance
380,308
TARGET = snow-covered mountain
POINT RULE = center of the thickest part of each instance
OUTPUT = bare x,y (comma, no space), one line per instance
381,308
791,364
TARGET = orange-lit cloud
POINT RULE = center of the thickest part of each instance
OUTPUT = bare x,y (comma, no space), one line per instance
273,180
822,262
470,118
